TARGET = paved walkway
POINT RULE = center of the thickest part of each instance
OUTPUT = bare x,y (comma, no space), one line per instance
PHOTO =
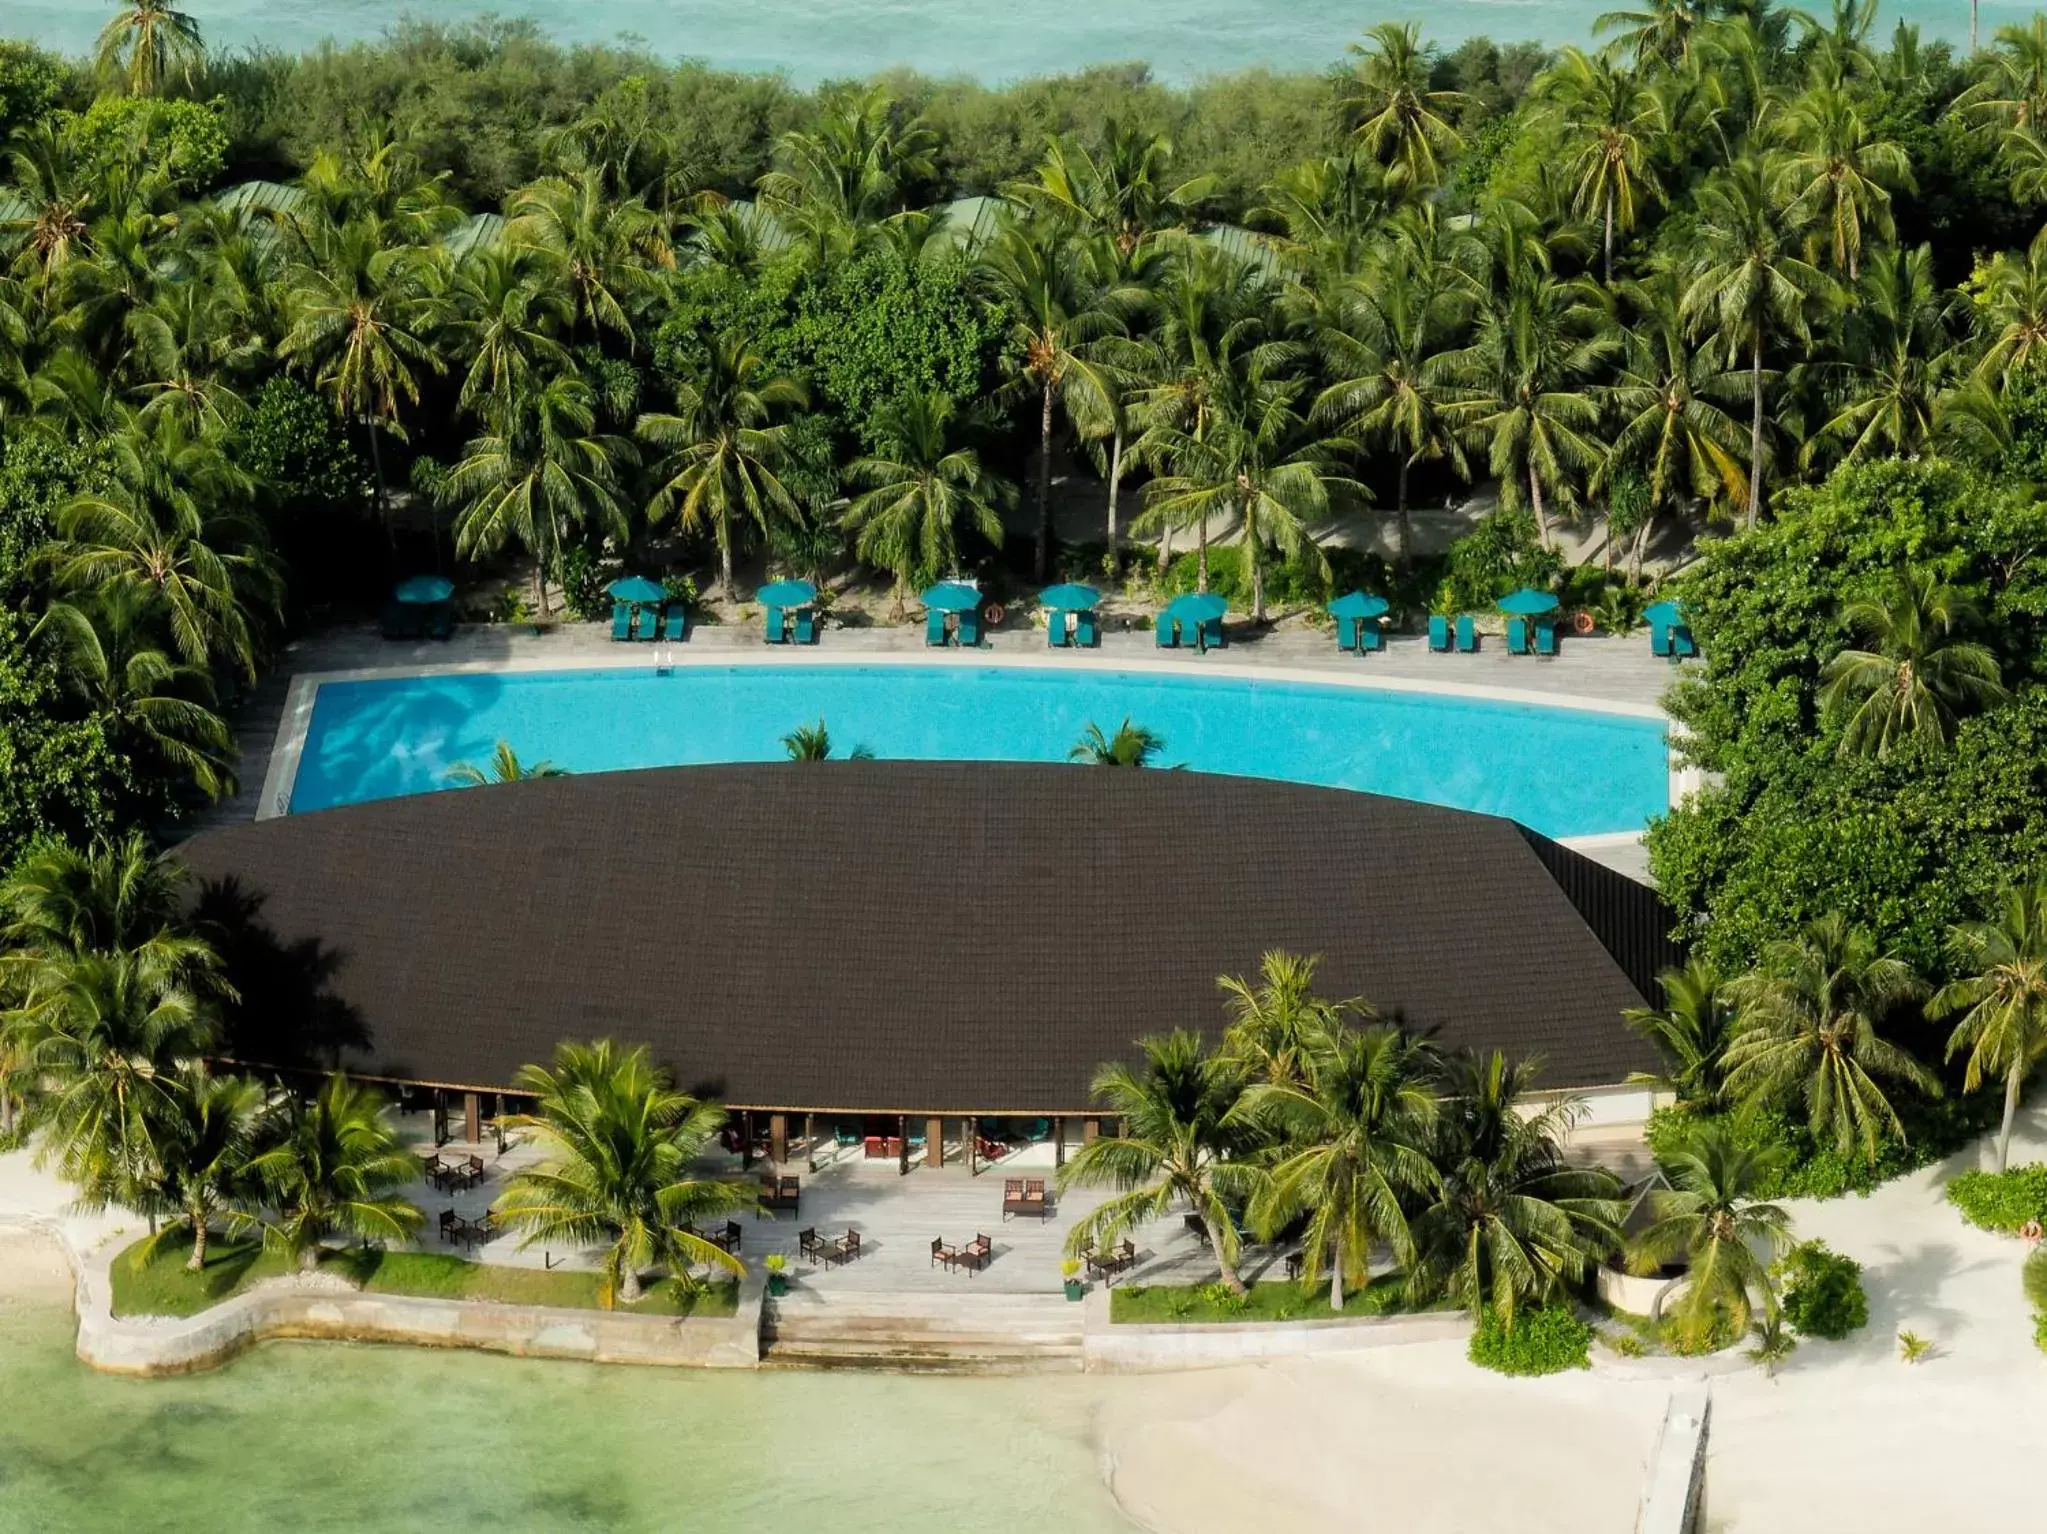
896,1214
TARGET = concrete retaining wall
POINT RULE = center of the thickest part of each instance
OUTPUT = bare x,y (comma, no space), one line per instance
1110,1348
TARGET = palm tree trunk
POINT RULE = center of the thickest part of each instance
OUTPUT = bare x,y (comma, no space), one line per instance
1253,552
1641,547
1755,436
1228,1269
725,563
1609,239
1165,548
1336,1287
197,1261
1403,532
629,1285
1115,482
1201,571
309,1257
2012,1082
383,491
1535,498
1045,484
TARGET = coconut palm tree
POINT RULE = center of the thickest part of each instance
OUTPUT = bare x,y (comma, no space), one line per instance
1690,1030
919,493
1355,1132
1663,29
104,1034
333,1166
1525,400
617,1143
505,767
1710,1214
1752,287
1399,121
161,708
850,169
1614,120
149,41
1276,1023
1131,746
813,743
1508,1221
504,315
1043,280
1125,192
1673,432
202,1146
1898,357
727,446
2011,90
1919,677
2012,316
1806,1031
1383,339
603,249
1183,1132
2000,998
540,469
111,896
1835,176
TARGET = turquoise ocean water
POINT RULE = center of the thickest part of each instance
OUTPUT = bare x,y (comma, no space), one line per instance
1564,772
335,1439
992,40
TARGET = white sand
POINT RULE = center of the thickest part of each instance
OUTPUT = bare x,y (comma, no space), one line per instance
1410,1439
32,1268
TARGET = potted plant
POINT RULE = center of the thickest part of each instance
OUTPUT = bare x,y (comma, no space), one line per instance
778,1273
1070,1271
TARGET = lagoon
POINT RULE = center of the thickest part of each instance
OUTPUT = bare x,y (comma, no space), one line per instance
313,1437
812,40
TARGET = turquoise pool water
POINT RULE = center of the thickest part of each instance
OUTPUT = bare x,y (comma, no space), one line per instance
1564,772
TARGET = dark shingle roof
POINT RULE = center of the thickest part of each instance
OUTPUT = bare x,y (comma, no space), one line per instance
933,937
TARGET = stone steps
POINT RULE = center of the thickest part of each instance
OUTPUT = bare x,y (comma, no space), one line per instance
992,1334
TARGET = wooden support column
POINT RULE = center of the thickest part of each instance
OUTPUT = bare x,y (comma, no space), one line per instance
1090,1131
903,1145
472,1118
440,1118
934,1142
746,1140
973,1147
1059,1140
778,1138
810,1139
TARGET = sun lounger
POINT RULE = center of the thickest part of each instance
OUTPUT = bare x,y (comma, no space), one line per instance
1439,633
773,625
621,621
806,626
934,628
1212,634
1546,640
1165,633
440,622
1370,637
970,630
1085,633
675,623
1055,631
1659,639
1517,636
1681,642
1467,634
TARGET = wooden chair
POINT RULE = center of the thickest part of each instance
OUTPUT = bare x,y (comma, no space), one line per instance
941,1254
975,1254
1013,1200
808,1246
733,1235
450,1223
789,1194
1035,1201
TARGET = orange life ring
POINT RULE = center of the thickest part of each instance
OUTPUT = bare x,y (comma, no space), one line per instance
995,613
1581,622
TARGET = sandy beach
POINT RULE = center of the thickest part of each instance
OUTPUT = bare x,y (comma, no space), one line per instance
32,1268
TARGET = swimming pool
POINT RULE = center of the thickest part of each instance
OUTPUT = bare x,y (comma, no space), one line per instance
1556,769
1560,770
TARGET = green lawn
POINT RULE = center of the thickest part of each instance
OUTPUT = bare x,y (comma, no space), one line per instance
163,1286
1273,1300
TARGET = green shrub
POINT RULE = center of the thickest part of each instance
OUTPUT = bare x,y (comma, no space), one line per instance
2034,1277
2002,1201
1935,1128
1497,556
1547,1340
1823,1295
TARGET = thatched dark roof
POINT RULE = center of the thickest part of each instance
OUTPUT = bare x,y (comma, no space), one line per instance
933,937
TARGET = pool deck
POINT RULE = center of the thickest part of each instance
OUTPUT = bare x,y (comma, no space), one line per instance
1600,673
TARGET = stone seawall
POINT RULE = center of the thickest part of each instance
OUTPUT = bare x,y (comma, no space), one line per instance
1109,1347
